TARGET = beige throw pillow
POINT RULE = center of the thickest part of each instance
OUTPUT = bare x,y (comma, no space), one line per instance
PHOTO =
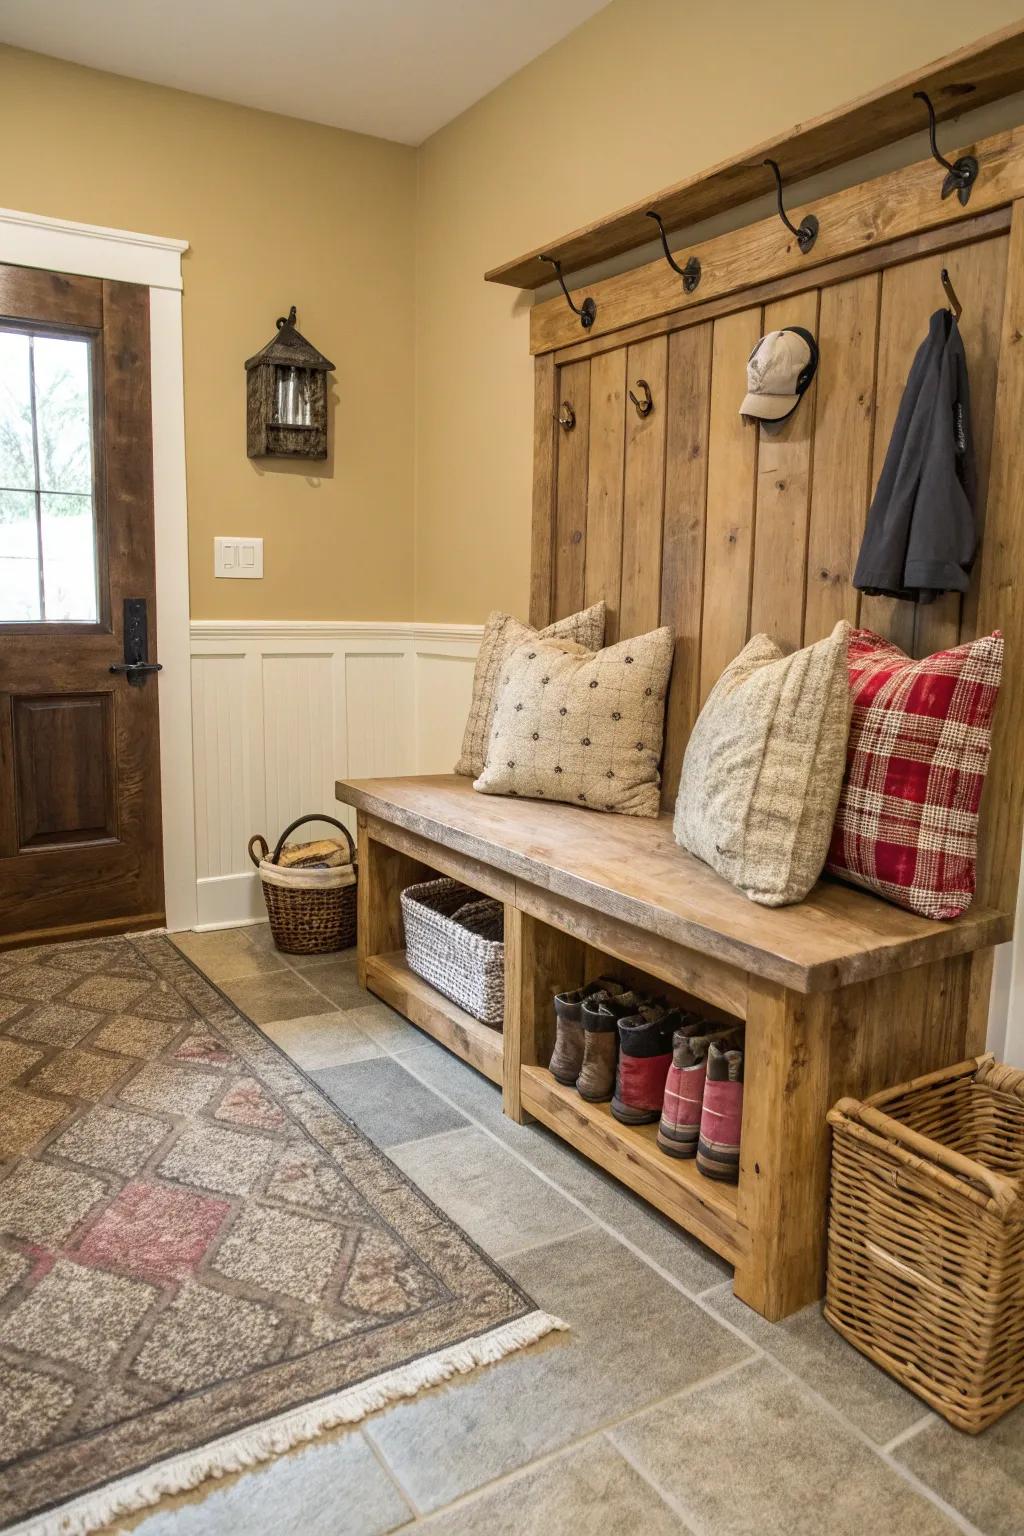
764,767
579,727
502,635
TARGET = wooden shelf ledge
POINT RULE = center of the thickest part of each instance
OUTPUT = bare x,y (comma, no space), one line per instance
389,978
984,71
631,1153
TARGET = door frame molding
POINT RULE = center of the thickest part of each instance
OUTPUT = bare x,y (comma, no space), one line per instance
153,261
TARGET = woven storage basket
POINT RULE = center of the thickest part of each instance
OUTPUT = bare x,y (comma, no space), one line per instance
311,911
926,1236
453,939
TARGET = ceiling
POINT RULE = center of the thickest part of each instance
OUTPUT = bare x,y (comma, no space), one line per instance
399,69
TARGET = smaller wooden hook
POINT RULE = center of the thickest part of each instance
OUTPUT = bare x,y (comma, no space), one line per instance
566,417
645,406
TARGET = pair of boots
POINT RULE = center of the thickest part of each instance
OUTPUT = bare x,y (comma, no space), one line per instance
614,1044
703,1103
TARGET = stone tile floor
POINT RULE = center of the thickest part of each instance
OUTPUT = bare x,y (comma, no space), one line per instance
668,1408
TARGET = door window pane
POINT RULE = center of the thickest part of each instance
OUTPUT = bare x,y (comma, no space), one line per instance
47,513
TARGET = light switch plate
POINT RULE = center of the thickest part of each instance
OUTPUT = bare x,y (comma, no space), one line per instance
238,557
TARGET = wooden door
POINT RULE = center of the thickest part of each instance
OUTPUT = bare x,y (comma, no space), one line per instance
80,829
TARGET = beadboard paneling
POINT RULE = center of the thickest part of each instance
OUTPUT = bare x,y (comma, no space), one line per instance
282,710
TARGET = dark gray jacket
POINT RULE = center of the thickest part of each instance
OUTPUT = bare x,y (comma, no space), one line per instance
921,536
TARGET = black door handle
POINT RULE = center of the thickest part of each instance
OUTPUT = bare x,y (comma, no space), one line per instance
135,671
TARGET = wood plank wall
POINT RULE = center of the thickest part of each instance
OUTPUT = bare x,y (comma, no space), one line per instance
691,517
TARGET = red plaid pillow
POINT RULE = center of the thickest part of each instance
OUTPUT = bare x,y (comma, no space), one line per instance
907,821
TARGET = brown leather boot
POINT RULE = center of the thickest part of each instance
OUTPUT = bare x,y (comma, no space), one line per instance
600,1018
567,1056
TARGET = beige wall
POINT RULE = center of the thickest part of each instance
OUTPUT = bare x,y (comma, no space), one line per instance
644,94
276,212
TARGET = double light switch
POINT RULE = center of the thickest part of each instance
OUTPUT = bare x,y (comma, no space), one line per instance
238,557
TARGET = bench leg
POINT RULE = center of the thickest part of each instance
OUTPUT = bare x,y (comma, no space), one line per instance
383,873
784,1150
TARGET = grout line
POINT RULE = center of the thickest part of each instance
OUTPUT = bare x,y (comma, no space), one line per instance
909,1433
671,1500
375,1452
541,1242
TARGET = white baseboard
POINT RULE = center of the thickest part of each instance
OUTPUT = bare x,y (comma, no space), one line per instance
282,709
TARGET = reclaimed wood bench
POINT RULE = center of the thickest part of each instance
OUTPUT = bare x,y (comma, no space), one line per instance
842,994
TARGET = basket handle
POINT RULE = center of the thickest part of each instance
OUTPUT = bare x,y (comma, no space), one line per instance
1001,1191
260,842
300,821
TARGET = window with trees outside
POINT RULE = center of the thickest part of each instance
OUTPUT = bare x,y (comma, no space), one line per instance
47,507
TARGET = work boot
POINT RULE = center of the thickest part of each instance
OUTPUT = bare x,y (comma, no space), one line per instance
567,1056
718,1148
679,1129
600,1017
645,1055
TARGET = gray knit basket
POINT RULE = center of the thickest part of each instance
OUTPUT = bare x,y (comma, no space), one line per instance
453,939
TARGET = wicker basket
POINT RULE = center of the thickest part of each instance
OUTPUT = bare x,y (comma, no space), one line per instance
926,1237
311,911
453,939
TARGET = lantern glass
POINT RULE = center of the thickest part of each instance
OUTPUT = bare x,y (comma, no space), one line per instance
293,397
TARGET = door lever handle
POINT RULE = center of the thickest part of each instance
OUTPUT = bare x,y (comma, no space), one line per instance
135,671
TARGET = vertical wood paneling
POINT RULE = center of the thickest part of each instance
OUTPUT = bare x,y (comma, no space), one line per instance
783,489
644,494
682,566
844,417
604,485
732,467
221,771
298,734
978,273
544,459
570,558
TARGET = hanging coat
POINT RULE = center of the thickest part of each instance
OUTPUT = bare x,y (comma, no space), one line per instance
921,535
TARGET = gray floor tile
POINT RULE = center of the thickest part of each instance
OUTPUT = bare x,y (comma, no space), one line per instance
386,1103
591,1491
324,1040
226,954
332,1487
336,979
634,1339
501,1204
807,1346
277,995
688,1261
981,1476
389,1028
752,1455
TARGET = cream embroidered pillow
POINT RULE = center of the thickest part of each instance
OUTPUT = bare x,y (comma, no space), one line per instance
584,728
764,767
502,635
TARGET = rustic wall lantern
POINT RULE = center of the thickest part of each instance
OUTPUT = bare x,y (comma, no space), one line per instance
286,409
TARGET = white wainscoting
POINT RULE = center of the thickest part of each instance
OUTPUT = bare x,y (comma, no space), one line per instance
281,710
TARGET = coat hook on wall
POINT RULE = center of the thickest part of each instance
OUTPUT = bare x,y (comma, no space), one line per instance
961,175
950,292
690,274
808,230
566,417
587,311
645,406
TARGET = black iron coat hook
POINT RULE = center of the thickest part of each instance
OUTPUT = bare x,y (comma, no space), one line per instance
587,311
951,293
808,231
690,274
645,406
961,175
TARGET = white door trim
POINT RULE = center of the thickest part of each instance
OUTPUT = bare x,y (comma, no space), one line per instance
89,250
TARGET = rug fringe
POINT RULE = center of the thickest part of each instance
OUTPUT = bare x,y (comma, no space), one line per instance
261,1442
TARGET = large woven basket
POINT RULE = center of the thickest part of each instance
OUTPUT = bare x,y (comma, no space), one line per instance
926,1236
453,939
311,911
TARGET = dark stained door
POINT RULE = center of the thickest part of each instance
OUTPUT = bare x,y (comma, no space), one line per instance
80,830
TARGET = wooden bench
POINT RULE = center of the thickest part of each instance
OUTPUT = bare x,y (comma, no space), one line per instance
841,995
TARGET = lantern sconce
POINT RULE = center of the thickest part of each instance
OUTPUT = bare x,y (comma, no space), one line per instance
286,397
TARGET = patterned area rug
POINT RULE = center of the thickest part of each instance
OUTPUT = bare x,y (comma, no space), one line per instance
202,1262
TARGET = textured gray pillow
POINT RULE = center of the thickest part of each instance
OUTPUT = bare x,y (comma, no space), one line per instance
764,767
502,635
582,727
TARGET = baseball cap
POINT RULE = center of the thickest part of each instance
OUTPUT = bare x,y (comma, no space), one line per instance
779,370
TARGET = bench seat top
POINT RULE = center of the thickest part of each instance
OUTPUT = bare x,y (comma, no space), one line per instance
629,867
